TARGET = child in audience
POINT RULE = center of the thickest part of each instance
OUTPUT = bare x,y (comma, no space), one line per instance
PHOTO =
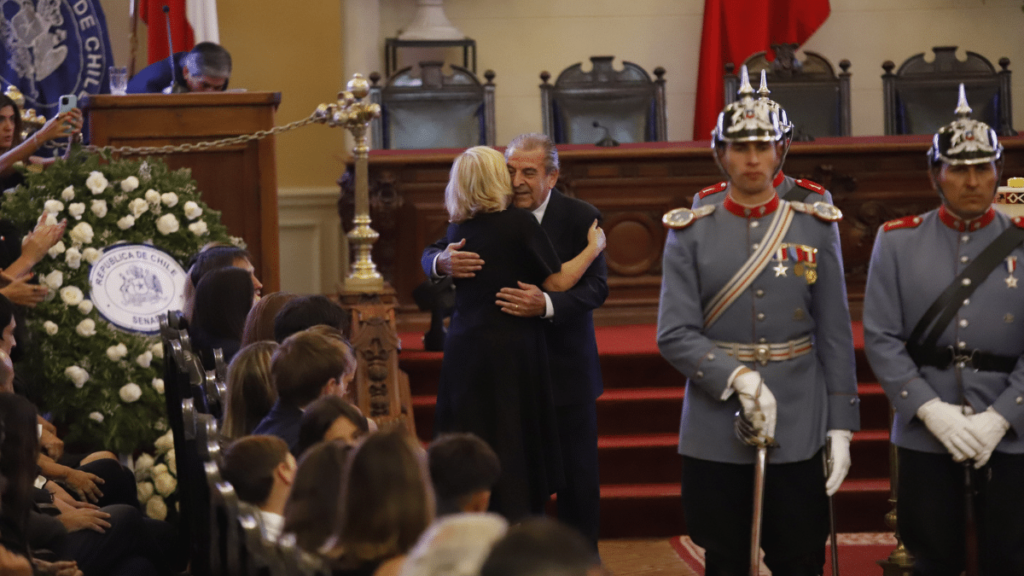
312,508
330,418
250,391
386,504
463,469
262,471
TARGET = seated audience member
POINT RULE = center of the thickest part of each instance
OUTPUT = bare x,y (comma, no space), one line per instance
113,540
305,367
463,469
330,418
262,471
312,508
206,68
214,257
259,325
386,505
455,545
13,149
305,312
250,391
542,546
223,300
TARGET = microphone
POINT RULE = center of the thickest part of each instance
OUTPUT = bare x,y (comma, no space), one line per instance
607,141
175,87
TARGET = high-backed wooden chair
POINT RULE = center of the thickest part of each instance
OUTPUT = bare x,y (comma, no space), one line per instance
920,96
816,99
626,102
433,110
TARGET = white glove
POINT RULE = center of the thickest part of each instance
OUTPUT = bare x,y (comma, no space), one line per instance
840,460
949,425
754,394
988,427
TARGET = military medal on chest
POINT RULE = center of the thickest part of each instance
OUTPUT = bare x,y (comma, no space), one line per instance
804,258
1011,266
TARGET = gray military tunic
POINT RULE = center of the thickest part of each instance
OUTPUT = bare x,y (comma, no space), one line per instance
913,261
817,391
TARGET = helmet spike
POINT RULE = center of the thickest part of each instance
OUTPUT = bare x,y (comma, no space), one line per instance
745,89
963,110
763,91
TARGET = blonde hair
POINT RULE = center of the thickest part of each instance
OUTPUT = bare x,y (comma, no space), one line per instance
250,391
479,183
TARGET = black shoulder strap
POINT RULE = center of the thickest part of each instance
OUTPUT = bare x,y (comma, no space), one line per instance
798,194
945,307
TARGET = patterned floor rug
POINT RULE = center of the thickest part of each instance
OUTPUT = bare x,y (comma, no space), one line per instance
858,553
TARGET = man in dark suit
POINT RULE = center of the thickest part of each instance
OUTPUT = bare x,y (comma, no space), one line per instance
575,370
206,68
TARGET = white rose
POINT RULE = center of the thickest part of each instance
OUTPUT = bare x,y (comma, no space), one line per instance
91,255
86,328
170,199
157,350
77,375
73,258
152,196
144,359
126,222
159,468
198,228
145,491
163,444
99,208
130,392
76,209
160,425
53,206
172,462
49,220
67,193
117,352
50,327
82,233
165,484
156,508
158,385
192,210
85,307
130,183
96,182
143,466
71,295
54,279
167,224
138,207
96,416
56,250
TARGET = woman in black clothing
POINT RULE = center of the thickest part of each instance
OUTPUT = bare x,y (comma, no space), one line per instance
223,299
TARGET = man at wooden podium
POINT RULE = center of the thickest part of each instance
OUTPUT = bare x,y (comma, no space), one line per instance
206,68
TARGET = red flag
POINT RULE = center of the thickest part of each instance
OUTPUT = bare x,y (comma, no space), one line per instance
151,12
735,29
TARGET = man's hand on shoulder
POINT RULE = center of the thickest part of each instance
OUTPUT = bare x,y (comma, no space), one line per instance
526,301
452,262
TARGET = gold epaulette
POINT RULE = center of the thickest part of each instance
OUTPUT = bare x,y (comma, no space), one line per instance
821,210
682,217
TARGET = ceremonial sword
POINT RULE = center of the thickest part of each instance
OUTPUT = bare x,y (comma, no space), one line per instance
829,463
747,432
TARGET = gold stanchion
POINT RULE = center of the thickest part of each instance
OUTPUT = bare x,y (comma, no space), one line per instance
900,562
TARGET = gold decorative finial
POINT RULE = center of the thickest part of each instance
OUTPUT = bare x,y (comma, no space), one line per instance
763,91
354,114
745,89
962,109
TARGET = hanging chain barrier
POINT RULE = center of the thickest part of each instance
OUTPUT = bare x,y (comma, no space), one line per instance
199,146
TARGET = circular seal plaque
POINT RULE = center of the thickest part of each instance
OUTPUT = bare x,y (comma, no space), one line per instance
132,285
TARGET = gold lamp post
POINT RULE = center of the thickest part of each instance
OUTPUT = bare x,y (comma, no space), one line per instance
354,113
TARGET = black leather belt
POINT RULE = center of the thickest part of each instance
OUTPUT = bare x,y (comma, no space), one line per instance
943,358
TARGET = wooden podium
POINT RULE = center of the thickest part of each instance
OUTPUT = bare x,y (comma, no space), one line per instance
239,180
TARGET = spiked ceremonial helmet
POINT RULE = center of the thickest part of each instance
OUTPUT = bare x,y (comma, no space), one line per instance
965,140
750,118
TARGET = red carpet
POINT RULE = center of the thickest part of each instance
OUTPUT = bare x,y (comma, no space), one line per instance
858,553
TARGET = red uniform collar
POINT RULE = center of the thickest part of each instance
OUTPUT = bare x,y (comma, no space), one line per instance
961,225
778,179
751,211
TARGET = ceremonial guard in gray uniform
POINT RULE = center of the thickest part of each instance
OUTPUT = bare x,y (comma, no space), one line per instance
944,332
754,313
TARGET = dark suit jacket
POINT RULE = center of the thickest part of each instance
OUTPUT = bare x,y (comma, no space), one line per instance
575,370
154,78
282,421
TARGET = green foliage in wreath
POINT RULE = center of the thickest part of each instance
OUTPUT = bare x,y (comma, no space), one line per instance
103,382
